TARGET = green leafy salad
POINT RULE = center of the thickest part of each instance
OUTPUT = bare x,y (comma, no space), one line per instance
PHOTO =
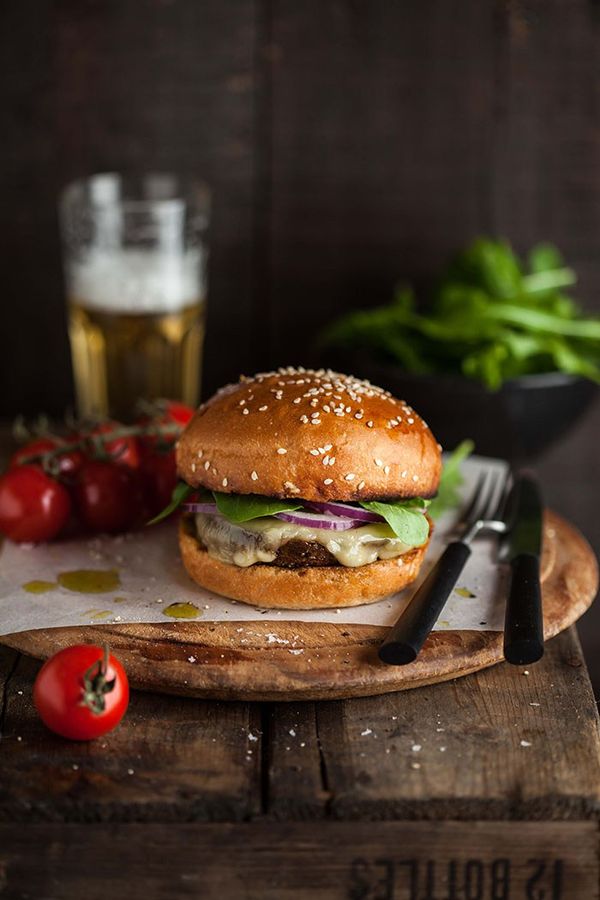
404,517
491,317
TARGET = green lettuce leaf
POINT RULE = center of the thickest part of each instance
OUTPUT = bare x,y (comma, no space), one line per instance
448,495
405,518
181,492
239,508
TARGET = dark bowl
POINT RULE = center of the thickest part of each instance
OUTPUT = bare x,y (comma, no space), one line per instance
518,422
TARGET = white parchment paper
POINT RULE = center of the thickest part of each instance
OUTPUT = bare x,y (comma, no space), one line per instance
151,578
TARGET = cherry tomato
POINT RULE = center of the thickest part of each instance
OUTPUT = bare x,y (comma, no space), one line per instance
108,496
178,412
124,450
67,463
33,506
160,478
81,692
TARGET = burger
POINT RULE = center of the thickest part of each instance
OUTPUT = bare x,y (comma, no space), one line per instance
305,489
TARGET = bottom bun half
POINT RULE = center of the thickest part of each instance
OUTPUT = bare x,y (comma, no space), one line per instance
309,588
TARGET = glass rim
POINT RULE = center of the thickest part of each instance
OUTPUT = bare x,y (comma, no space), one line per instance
190,191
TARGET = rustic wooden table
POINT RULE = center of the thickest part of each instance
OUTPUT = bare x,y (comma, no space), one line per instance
483,788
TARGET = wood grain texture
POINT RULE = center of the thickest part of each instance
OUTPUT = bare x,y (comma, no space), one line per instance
453,751
273,660
170,759
381,145
129,86
331,861
181,760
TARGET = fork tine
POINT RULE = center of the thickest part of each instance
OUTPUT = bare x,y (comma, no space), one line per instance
500,508
486,498
467,513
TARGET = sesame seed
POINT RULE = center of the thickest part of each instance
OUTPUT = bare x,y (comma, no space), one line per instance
224,482
328,447
350,476
245,411
200,454
242,402
370,423
207,465
315,421
325,460
410,421
254,476
386,470
358,415
379,463
304,419
297,400
314,452
262,408
326,408
331,460
193,467
415,478
404,474
361,485
315,415
328,481
348,409
282,451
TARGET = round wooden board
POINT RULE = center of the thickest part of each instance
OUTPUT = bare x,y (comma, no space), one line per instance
242,661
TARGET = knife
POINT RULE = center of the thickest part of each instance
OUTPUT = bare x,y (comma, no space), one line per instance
521,546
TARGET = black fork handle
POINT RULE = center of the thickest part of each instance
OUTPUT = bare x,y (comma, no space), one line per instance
406,638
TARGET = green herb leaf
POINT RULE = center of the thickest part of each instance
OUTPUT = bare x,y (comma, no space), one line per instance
490,318
239,508
448,492
405,518
181,492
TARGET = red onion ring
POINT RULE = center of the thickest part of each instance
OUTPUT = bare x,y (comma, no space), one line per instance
317,520
350,512
209,508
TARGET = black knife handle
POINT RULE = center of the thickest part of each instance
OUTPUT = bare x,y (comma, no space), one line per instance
524,622
407,636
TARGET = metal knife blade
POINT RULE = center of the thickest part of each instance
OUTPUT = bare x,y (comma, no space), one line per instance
523,516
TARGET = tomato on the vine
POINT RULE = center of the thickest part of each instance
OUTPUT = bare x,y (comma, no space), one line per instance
122,450
108,496
160,473
81,692
66,463
33,506
178,412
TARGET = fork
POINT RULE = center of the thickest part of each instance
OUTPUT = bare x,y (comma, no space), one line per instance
483,511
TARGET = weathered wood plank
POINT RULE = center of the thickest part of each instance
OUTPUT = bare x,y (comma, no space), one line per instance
131,86
331,861
170,759
545,181
295,784
381,142
498,745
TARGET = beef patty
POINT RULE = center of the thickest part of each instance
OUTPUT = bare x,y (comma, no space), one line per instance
300,554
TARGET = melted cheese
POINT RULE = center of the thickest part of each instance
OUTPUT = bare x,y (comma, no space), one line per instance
260,539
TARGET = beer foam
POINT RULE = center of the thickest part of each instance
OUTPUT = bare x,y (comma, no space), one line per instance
137,281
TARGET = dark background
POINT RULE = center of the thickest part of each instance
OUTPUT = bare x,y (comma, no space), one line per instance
348,142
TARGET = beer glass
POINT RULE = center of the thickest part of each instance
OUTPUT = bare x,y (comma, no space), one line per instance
135,256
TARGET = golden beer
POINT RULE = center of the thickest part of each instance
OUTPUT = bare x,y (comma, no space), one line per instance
119,358
135,265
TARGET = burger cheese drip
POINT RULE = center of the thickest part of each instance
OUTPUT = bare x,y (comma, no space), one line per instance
258,541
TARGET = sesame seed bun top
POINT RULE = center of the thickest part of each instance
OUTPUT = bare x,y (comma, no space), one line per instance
317,435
